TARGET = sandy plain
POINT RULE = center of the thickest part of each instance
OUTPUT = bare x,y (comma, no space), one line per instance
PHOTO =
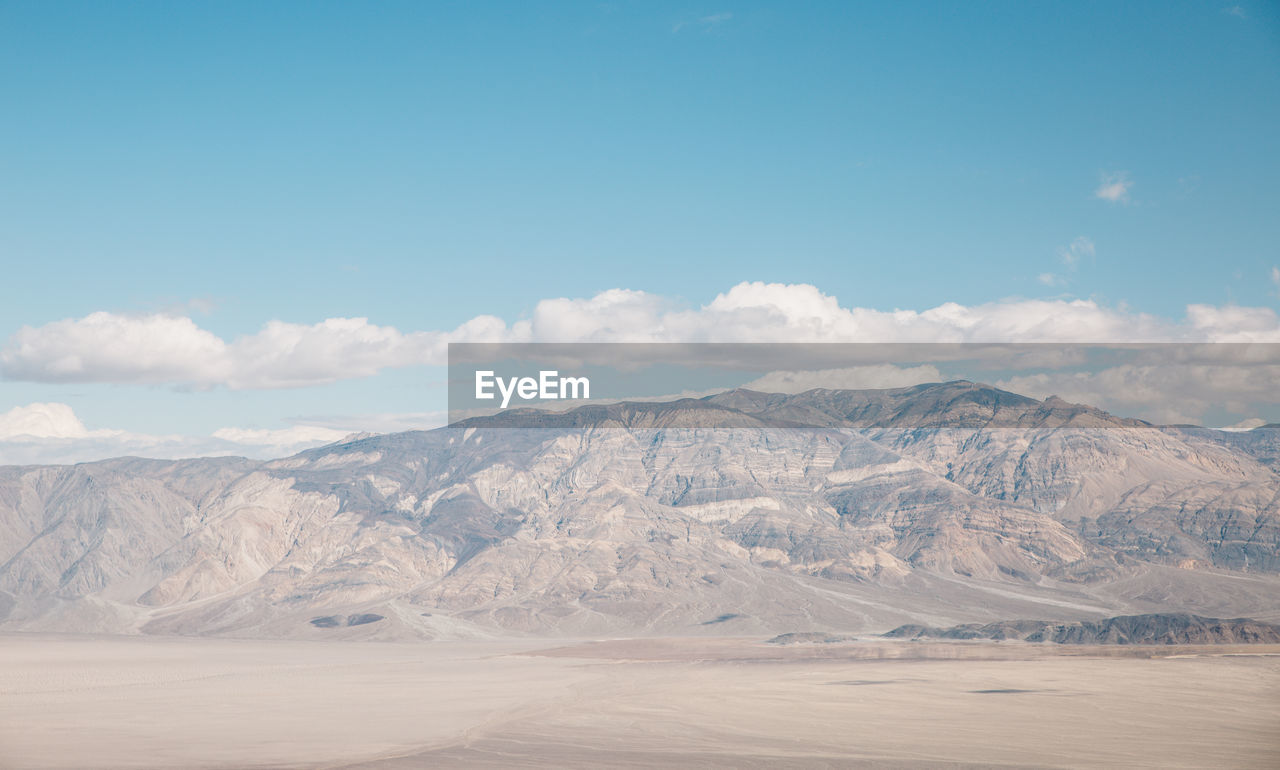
146,702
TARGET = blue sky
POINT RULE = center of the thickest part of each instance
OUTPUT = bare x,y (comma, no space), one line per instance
420,164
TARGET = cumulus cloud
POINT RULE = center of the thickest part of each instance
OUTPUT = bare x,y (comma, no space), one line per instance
775,312
772,312
160,349
107,347
1114,187
1231,323
52,433
1170,391
41,421
292,355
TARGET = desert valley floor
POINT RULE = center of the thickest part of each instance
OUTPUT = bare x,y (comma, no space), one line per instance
144,702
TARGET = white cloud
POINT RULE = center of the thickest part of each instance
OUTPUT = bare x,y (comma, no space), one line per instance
162,349
1079,248
774,312
51,433
107,347
852,378
292,355
298,434
1244,425
1050,279
159,349
41,421
1231,323
375,423
1165,391
1114,187
760,312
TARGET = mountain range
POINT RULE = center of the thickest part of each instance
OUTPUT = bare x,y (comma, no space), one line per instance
1172,628
741,513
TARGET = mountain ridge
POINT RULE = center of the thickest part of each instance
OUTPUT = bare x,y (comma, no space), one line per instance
937,504
956,403
1154,628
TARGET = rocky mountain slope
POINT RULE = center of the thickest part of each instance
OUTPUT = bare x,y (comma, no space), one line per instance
1176,628
742,513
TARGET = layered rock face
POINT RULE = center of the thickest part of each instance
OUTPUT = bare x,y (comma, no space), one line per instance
742,513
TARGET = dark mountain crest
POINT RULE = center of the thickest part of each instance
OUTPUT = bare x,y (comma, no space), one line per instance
954,404
1155,628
